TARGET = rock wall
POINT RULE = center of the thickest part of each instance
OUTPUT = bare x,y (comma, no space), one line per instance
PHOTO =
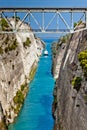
70,105
19,54
58,60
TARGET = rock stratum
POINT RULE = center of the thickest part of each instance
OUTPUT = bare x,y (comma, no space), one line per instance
70,92
19,56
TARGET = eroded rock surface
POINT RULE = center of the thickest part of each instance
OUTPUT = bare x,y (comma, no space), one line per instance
19,56
70,104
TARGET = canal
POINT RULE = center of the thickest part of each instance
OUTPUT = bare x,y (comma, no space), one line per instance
36,114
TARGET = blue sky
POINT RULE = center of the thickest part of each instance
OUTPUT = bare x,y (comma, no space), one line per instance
43,3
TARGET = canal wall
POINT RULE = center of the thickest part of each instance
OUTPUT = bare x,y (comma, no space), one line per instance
19,56
70,102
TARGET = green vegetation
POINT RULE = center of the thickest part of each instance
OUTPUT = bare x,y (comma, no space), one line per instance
3,125
32,73
8,45
82,55
27,42
14,45
76,82
63,39
77,23
19,98
11,47
83,61
20,95
17,18
17,109
23,86
4,24
85,97
56,45
1,50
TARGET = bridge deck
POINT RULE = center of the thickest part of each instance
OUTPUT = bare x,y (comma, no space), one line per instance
45,9
38,19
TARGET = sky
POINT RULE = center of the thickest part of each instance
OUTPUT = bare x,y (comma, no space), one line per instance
43,3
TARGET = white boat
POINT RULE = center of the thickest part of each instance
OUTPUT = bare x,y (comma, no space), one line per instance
46,53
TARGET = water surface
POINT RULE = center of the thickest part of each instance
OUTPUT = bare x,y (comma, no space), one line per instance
36,114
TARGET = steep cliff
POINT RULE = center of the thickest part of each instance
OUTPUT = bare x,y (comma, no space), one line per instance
70,93
58,50
19,55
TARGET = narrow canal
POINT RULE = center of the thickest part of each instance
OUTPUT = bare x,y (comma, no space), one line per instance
36,113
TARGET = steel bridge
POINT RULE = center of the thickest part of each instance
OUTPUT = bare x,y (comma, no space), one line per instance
44,20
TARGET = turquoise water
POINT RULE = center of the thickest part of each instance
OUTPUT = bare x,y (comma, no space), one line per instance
36,113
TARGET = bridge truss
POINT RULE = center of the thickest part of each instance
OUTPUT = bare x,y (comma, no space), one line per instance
44,20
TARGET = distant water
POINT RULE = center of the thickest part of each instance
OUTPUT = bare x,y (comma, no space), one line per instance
36,113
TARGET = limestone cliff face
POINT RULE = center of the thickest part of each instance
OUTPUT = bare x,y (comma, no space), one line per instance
57,60
19,55
70,104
